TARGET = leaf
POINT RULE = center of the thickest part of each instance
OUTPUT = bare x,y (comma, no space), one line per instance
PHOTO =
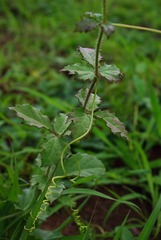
61,123
84,165
39,179
113,123
86,191
25,199
55,192
82,94
32,116
80,124
96,16
149,225
86,25
84,72
108,29
52,150
120,229
111,73
89,55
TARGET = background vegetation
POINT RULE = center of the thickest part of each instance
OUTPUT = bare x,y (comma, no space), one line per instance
37,39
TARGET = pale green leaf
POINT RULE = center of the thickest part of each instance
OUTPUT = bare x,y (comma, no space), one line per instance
82,94
61,123
111,73
55,191
84,165
113,123
80,124
25,199
52,150
40,180
32,116
89,55
84,72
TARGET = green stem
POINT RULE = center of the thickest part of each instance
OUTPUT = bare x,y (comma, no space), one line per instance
98,46
36,209
136,27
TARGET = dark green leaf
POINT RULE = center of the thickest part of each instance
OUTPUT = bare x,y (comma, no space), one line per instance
32,116
149,225
84,165
80,124
112,122
86,25
61,123
84,72
82,94
25,198
111,73
89,55
52,151
40,180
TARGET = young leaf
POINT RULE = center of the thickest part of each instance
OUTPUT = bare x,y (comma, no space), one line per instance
113,123
96,16
55,191
32,116
86,25
89,55
80,124
84,72
61,123
108,29
111,73
82,94
84,165
52,150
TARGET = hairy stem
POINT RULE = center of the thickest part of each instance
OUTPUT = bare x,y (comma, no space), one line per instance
98,46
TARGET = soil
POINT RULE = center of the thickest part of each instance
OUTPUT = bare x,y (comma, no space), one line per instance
94,212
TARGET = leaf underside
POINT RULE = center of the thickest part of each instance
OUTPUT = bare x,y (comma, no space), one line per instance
86,25
113,123
82,94
89,55
32,116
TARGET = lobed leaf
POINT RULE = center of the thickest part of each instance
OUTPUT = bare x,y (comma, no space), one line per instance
86,25
82,94
84,165
111,73
84,72
80,124
89,55
61,123
113,123
32,116
52,151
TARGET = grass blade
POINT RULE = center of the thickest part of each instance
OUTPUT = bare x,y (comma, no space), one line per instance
150,222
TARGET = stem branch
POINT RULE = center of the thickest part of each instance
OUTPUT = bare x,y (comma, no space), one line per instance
98,46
